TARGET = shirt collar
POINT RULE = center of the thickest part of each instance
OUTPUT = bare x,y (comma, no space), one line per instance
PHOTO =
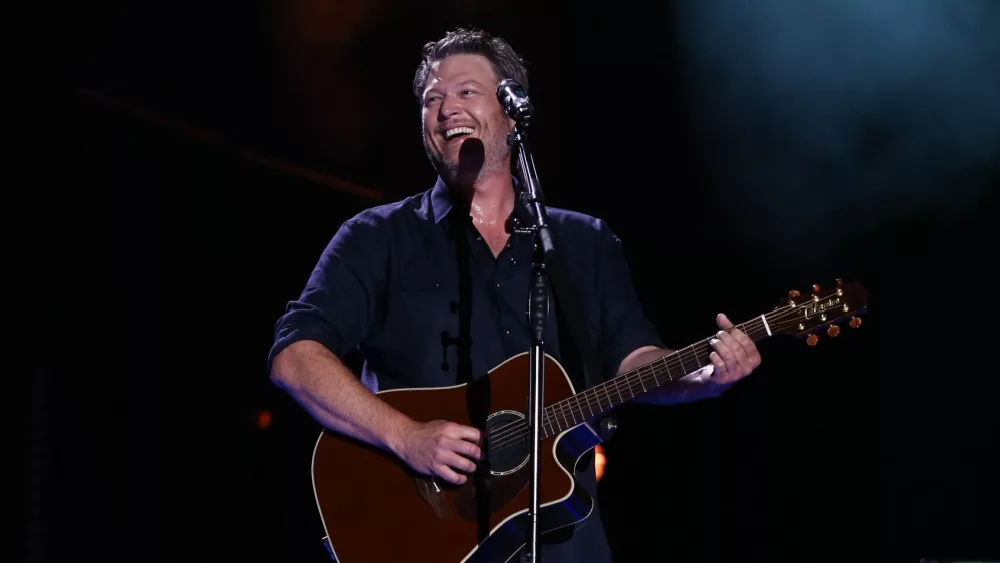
441,202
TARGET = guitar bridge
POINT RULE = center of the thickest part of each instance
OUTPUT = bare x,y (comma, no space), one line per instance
432,493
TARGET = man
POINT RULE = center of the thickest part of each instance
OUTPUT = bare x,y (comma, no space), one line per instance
432,290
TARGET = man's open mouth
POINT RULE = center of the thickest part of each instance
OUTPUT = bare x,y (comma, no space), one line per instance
457,132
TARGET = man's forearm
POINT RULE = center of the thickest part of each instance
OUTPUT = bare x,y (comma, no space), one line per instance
684,390
334,396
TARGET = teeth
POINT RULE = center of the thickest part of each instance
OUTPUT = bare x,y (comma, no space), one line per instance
456,131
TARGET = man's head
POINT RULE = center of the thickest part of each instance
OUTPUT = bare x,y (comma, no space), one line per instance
464,127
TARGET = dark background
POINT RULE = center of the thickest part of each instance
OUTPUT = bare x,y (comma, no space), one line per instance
179,166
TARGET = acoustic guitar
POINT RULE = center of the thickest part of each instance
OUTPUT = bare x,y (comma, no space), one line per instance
374,508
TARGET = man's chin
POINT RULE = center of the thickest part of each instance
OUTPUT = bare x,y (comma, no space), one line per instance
447,170
468,167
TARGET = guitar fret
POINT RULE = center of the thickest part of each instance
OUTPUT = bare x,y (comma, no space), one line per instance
670,373
680,358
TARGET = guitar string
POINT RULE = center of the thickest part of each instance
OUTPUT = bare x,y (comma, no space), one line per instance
637,379
648,373
565,406
566,409
640,375
512,436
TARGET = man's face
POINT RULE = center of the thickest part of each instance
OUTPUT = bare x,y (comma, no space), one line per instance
459,105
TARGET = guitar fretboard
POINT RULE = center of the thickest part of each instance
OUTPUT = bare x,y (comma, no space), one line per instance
623,388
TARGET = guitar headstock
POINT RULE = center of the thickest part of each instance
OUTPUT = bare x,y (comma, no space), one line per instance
821,310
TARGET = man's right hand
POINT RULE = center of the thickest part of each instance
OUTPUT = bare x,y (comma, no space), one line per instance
441,449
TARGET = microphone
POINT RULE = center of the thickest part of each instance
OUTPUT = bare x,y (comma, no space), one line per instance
514,101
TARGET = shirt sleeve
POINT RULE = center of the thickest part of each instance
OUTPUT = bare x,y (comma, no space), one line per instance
338,304
624,326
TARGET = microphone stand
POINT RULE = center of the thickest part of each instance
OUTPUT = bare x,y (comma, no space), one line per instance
538,311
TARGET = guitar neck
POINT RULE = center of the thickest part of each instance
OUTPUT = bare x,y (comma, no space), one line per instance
623,388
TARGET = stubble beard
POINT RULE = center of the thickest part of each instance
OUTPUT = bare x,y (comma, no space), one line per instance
495,159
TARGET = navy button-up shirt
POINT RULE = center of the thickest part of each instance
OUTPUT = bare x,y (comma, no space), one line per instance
415,288
398,284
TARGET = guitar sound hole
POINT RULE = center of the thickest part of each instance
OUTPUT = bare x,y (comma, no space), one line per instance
507,444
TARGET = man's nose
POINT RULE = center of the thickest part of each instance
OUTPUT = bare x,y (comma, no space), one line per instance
450,106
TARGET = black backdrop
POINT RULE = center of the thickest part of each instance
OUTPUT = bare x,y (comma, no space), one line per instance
150,264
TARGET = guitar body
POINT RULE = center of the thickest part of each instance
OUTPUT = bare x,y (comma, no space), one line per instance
375,508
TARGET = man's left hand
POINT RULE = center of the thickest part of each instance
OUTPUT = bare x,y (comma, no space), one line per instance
735,355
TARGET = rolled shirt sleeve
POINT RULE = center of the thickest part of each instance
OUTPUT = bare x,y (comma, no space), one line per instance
339,302
624,326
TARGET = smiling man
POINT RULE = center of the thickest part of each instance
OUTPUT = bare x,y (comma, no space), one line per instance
432,291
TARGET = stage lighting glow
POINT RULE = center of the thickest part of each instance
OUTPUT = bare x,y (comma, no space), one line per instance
264,420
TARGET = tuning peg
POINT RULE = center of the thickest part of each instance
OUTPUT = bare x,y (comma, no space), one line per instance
816,288
793,294
855,322
833,331
812,339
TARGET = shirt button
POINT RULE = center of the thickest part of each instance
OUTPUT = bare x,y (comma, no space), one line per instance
507,332
499,284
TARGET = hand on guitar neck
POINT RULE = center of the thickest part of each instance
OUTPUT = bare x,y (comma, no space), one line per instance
734,356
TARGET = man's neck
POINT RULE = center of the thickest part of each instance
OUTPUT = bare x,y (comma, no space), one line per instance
492,199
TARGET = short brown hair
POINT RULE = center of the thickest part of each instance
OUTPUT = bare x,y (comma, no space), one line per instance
506,63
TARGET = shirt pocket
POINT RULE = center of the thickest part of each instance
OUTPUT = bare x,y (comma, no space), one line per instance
425,279
425,298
